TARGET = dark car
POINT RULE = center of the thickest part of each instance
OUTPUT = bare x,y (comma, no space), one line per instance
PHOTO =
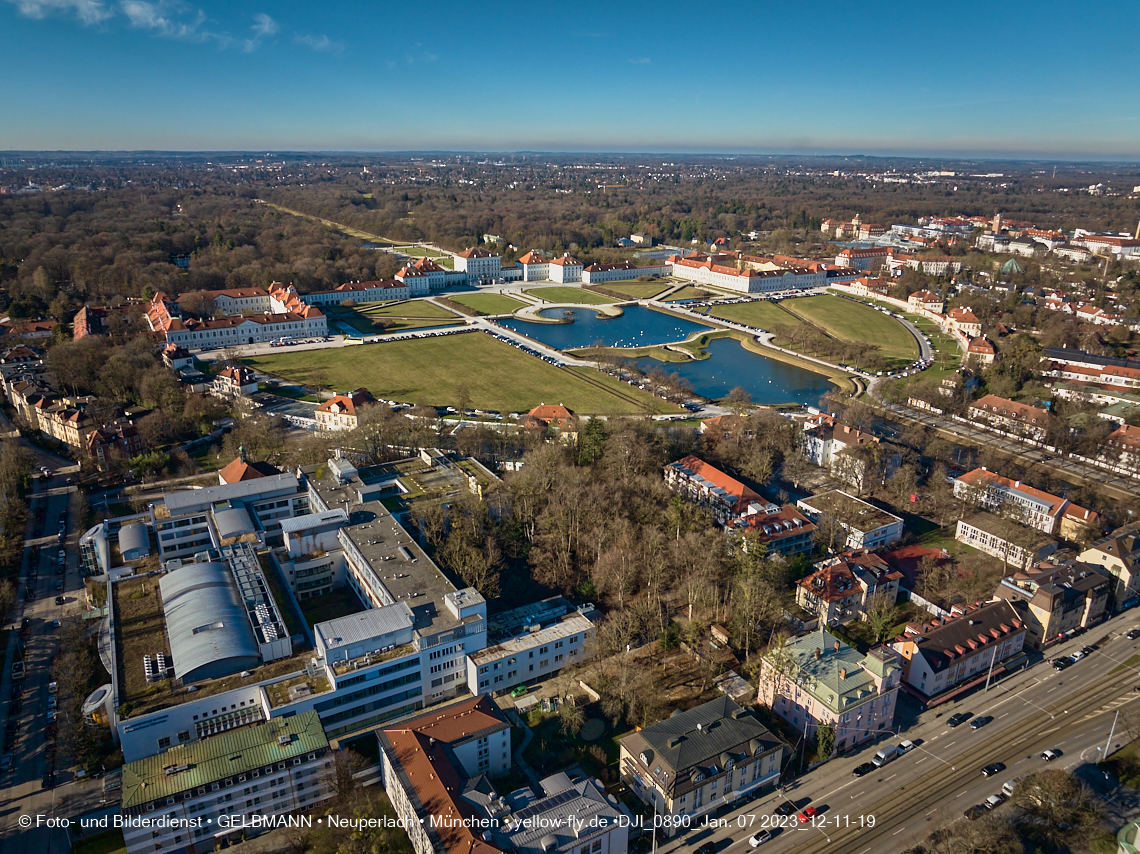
1090,648
865,768
707,848
1132,635
1062,663
975,812
978,723
784,809
49,731
958,719
48,780
993,768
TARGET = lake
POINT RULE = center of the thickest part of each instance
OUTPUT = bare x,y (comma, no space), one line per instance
638,327
768,381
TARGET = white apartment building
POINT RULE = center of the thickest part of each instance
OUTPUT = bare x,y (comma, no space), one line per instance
198,796
530,643
866,526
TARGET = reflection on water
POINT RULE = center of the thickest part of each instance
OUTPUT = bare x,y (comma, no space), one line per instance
638,327
729,365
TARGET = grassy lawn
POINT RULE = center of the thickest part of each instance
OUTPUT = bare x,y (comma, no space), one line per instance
574,295
428,371
849,321
290,392
110,842
690,292
766,315
412,314
411,308
488,303
636,290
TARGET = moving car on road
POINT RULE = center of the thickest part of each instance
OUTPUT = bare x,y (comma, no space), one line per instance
979,722
993,768
960,718
758,839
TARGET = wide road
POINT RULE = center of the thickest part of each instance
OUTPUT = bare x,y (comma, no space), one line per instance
1034,709
23,791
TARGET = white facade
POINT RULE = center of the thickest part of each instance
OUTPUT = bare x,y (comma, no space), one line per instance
867,526
566,269
237,331
530,657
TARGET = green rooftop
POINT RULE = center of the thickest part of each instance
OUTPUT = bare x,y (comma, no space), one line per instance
220,757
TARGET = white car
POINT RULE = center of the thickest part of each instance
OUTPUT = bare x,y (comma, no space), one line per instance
906,747
760,838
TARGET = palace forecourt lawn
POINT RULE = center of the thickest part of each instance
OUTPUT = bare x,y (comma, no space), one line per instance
428,371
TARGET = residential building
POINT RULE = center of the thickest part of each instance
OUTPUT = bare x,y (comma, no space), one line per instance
819,680
781,530
535,266
342,412
566,269
965,321
1011,543
217,791
239,470
981,351
235,381
479,264
708,486
572,817
867,287
851,455
29,329
551,416
175,357
119,439
641,238
696,761
944,657
1118,554
1122,449
849,523
843,588
424,765
1036,508
97,320
528,644
1110,245
1062,597
925,301
438,771
1006,416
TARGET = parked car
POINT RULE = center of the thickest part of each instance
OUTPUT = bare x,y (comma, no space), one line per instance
958,719
1062,663
865,768
6,762
975,812
906,746
993,768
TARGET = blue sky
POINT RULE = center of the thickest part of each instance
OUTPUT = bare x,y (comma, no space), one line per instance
1054,80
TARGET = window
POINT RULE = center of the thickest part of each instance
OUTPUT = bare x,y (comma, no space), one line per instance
183,737
163,743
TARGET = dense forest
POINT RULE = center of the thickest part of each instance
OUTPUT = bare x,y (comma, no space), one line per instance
105,231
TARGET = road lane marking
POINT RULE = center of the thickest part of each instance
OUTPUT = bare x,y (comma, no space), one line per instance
900,830
960,794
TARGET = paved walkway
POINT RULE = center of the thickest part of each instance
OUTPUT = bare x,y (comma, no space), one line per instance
517,720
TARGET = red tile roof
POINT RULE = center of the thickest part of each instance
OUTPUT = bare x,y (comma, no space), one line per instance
348,402
534,257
